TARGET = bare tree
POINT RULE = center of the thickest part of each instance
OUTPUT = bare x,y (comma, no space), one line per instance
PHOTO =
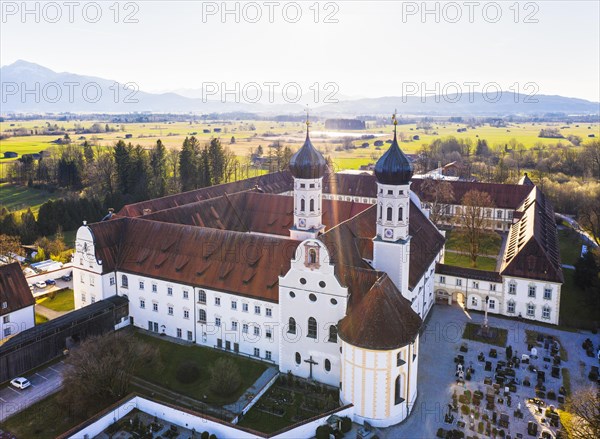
589,215
584,406
474,217
439,197
10,247
100,371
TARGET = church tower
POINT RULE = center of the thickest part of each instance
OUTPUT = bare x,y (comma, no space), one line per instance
308,167
391,246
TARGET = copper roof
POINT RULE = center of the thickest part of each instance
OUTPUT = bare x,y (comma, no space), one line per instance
240,263
252,211
532,249
14,290
382,320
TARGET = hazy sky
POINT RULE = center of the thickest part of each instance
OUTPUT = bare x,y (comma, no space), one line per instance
374,49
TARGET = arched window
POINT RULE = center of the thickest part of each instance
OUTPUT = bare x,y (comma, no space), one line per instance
327,365
202,315
312,256
298,358
202,296
389,214
333,334
291,326
302,205
311,204
312,328
398,391
400,214
124,281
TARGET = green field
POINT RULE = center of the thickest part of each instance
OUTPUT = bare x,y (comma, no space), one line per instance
62,301
173,354
460,260
15,198
570,246
490,243
39,319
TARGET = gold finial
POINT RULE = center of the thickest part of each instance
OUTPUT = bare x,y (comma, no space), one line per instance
395,121
307,116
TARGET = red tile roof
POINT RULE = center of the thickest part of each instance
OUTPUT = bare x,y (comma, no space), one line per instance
14,290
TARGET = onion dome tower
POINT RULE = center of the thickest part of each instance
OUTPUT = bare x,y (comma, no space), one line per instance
308,167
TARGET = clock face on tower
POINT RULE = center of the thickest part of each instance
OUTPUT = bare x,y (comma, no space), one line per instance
388,233
302,222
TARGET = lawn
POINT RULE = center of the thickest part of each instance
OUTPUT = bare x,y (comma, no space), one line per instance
570,245
174,354
490,242
13,197
471,333
460,260
43,420
63,301
576,309
39,319
287,402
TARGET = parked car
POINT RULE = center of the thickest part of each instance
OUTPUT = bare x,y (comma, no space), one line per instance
20,383
50,282
41,284
67,277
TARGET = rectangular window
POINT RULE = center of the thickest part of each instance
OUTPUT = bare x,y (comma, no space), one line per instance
499,214
186,314
219,343
532,291
512,288
492,287
256,330
91,280
268,355
217,321
6,319
82,278
458,282
268,333
492,304
257,310
142,304
169,291
442,279
155,307
112,280
83,297
546,313
217,301
476,285
245,307
7,331
256,352
531,310
141,285
93,299
190,336
186,294
234,326
269,312
548,293
511,307
170,310
245,328
473,301
154,288
202,296
233,304
178,332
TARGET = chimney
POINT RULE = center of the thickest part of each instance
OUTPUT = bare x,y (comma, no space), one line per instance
146,211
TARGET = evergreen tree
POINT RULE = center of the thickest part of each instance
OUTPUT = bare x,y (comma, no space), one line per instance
158,169
216,159
122,153
28,227
188,164
88,152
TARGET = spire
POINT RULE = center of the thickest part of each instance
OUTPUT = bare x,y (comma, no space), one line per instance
308,162
394,167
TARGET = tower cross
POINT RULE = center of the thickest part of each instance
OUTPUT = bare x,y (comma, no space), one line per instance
311,362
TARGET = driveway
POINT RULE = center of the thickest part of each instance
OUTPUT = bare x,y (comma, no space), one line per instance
43,383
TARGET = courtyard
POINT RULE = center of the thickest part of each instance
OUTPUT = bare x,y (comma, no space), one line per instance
498,396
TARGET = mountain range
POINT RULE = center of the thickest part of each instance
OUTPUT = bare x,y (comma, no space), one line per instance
31,88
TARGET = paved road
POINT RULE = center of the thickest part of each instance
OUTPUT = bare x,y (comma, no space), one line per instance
60,285
577,228
43,383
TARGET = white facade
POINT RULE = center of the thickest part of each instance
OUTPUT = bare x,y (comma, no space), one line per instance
382,385
312,303
513,297
17,321
308,208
